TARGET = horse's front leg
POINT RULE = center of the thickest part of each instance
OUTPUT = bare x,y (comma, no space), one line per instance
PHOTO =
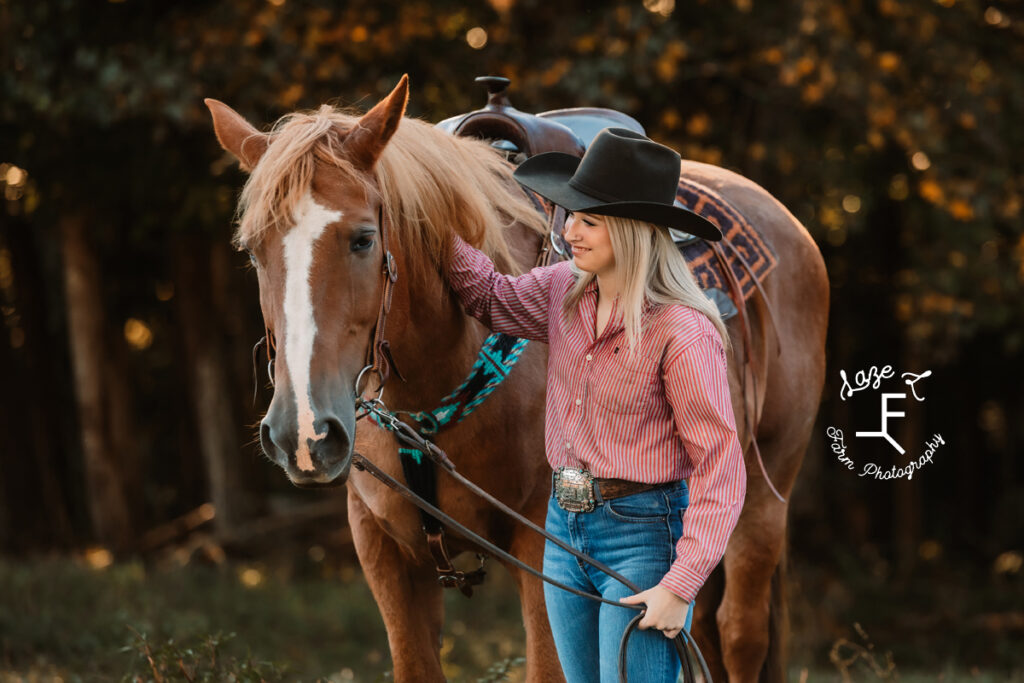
408,596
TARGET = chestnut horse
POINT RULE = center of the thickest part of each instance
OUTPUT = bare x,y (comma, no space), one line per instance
309,221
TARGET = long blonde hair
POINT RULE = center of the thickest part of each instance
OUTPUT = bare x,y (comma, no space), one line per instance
653,271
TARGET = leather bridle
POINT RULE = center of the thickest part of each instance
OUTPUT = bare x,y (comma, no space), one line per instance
378,354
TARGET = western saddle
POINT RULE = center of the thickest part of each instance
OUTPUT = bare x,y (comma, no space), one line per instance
519,135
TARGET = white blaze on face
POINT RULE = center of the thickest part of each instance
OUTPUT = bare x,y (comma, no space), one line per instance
300,326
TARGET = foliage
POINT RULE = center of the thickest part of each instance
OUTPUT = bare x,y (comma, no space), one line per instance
97,623
880,123
846,654
281,621
198,661
499,670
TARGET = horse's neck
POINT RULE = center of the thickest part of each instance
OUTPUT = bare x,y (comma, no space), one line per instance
434,342
525,246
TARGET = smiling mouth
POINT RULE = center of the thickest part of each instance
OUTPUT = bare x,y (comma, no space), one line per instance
579,250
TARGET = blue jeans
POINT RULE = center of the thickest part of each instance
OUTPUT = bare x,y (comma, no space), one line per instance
636,536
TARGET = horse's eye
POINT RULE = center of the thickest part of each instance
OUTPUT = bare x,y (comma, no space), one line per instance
253,261
362,244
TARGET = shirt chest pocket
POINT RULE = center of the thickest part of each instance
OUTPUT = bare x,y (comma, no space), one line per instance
625,384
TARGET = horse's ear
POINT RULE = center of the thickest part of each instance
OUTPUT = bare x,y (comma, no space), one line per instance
367,140
236,135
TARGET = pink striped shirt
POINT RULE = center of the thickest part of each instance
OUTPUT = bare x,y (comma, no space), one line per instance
660,416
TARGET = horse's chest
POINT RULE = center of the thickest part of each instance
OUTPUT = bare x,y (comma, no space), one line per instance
391,513
396,516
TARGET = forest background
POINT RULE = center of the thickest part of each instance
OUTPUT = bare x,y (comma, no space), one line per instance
891,129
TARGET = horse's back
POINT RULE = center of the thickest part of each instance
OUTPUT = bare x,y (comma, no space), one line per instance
798,293
801,268
767,214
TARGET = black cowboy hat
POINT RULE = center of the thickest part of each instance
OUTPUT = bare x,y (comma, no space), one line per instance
622,173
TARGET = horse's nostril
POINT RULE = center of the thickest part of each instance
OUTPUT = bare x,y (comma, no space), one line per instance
334,446
266,442
334,428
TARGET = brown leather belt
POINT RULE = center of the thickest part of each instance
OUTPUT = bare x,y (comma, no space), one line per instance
616,488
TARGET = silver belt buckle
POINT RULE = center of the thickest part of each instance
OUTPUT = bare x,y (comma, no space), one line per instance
574,489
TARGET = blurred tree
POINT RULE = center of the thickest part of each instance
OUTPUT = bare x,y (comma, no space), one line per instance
104,408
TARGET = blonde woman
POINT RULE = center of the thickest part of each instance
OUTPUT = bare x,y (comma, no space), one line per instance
639,423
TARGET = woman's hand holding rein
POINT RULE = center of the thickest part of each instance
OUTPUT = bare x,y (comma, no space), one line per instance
665,611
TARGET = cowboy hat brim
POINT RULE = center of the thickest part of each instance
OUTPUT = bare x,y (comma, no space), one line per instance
548,175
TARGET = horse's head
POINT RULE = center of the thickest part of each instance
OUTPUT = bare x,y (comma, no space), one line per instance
309,221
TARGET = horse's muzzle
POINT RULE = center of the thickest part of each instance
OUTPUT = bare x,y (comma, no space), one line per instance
330,455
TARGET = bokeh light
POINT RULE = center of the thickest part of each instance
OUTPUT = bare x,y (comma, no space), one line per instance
662,7
250,577
137,334
920,161
476,37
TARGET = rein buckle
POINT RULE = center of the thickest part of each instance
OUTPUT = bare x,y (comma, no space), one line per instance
390,269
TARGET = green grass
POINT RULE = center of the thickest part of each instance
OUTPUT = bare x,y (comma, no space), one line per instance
60,619
78,619
942,618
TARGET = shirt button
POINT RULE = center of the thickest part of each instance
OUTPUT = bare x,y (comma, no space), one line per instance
567,445
589,357
579,401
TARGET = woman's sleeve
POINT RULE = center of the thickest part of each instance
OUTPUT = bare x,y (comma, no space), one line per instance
518,306
697,387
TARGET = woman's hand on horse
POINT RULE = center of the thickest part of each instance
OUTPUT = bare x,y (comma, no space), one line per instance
665,611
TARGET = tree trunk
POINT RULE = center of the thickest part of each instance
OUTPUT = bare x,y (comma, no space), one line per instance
109,503
11,499
39,374
209,388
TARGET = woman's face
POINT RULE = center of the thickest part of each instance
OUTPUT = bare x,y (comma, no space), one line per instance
587,234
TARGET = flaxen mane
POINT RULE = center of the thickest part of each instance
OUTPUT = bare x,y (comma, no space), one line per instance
432,182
